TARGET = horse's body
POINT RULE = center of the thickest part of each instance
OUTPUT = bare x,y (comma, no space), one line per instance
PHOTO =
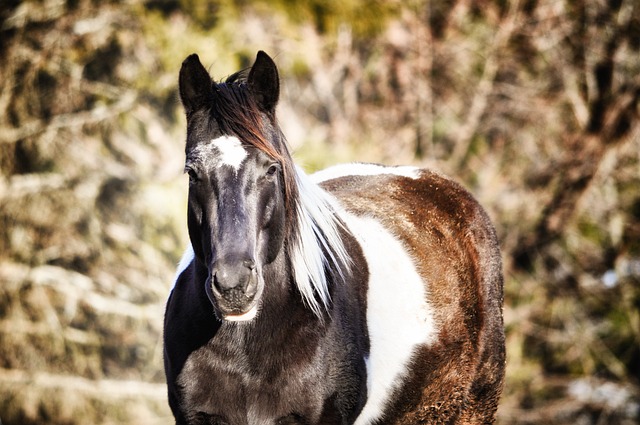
363,294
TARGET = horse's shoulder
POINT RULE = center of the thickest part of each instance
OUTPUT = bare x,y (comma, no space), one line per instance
424,209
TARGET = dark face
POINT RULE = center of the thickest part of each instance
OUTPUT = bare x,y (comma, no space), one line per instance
236,218
236,212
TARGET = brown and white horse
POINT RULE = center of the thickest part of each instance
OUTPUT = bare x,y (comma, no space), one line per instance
362,294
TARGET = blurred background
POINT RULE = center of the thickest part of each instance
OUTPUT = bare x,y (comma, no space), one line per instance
533,105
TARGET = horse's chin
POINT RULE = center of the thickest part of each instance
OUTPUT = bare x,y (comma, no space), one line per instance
242,317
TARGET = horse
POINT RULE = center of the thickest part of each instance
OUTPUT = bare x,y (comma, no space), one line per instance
361,294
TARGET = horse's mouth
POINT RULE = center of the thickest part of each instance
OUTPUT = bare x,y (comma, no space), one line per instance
234,312
237,308
242,317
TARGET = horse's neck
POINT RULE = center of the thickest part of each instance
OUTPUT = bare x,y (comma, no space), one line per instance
282,303
283,332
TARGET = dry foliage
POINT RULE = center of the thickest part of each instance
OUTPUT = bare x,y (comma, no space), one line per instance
532,104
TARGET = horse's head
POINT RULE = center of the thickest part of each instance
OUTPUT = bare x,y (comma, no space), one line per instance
240,174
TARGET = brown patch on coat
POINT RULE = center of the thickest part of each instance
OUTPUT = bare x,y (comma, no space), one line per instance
453,243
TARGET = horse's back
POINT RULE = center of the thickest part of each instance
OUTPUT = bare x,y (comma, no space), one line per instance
434,304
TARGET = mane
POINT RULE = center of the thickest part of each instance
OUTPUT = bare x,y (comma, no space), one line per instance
318,246
236,112
313,242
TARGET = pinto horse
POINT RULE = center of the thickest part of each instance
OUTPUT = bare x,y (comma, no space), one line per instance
363,294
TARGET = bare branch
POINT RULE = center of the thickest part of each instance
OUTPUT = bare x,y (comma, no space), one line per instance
464,135
77,119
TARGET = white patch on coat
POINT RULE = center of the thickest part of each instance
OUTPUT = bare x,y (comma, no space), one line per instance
399,317
186,259
230,151
363,169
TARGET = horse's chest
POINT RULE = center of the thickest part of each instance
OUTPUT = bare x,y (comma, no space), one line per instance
229,390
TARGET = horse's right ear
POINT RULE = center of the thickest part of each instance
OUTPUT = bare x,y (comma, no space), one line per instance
195,84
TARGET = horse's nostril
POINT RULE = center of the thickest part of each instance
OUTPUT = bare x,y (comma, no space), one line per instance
222,282
216,281
233,275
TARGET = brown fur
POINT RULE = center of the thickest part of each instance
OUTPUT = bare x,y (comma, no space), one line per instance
459,379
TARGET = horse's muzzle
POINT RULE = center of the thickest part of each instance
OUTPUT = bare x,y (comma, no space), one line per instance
232,287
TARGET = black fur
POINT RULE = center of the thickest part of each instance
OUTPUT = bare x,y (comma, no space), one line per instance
286,366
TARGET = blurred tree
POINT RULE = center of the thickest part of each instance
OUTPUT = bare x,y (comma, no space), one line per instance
533,104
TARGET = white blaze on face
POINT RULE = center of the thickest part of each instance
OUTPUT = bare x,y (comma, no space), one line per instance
230,151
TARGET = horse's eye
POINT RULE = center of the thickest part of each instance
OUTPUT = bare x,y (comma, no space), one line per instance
272,170
193,175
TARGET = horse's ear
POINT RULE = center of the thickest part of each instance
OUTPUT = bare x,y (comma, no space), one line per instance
264,82
195,84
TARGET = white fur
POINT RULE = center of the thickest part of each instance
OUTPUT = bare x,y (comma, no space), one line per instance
399,317
230,151
224,150
318,230
363,169
186,259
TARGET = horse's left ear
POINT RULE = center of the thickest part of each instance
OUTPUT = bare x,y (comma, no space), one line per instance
264,82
